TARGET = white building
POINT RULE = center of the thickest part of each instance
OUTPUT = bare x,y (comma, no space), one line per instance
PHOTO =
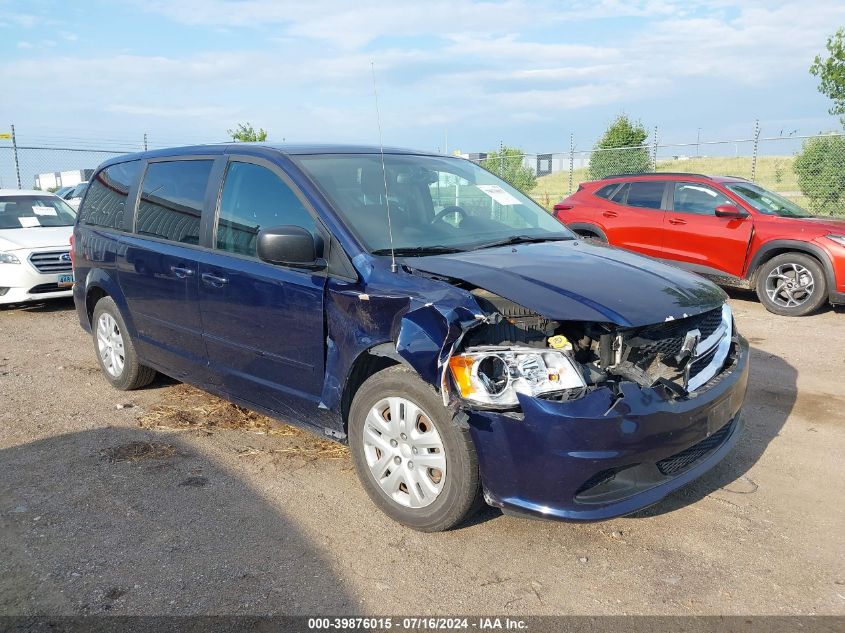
57,179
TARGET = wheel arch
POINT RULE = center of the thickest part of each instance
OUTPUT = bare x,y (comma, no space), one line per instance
101,283
588,227
772,249
368,363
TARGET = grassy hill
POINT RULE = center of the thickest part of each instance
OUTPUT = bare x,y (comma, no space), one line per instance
773,172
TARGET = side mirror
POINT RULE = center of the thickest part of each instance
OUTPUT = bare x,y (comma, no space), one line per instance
287,244
730,211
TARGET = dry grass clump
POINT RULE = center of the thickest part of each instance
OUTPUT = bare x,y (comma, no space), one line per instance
136,451
185,407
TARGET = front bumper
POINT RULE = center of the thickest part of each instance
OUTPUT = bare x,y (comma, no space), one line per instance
596,458
20,283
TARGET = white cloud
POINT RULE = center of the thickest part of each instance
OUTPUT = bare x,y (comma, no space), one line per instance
439,63
209,112
23,20
24,45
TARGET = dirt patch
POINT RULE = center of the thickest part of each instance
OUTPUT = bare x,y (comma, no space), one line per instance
137,451
185,407
820,407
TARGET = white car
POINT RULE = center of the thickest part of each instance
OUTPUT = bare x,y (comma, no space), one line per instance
74,197
35,230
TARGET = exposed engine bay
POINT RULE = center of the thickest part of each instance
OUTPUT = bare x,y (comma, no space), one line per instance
518,350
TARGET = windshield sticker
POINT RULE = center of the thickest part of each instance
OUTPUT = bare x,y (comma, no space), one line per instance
37,210
29,221
498,194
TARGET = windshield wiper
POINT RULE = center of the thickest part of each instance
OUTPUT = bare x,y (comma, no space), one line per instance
524,239
410,251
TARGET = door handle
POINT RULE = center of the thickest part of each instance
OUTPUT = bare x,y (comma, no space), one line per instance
213,280
610,214
181,272
677,221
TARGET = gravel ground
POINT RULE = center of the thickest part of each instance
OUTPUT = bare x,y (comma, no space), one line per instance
104,511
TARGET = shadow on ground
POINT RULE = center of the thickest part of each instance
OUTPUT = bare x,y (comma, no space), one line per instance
770,400
48,305
744,294
126,521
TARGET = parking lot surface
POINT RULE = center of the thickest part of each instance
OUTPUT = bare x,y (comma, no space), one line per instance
167,501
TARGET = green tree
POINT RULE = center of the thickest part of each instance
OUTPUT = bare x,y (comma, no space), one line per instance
508,165
821,173
621,150
245,133
831,72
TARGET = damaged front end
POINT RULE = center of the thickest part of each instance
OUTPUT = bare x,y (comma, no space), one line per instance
516,351
591,420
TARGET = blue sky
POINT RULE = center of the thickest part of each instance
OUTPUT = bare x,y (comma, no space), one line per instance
527,73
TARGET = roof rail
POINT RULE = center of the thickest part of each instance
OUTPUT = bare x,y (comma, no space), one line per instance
657,173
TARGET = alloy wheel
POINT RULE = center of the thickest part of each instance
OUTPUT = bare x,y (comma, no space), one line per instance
790,285
110,345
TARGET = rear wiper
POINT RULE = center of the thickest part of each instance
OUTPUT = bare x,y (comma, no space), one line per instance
523,239
405,251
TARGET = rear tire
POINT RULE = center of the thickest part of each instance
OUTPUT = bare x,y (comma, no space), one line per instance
591,237
395,420
115,350
792,284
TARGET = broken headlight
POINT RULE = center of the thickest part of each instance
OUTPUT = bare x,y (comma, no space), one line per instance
494,375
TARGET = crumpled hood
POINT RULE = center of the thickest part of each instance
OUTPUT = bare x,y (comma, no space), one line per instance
35,237
578,281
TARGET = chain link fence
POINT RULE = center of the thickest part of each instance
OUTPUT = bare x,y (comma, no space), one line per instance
50,168
808,170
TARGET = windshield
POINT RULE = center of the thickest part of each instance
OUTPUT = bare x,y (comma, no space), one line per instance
437,203
17,212
767,202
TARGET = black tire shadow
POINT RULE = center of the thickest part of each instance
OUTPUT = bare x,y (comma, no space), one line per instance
772,394
47,305
750,295
179,534
161,381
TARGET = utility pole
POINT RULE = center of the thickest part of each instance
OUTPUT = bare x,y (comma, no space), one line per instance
15,152
571,158
698,143
756,144
654,149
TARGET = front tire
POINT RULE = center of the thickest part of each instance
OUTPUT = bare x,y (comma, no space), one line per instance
792,284
115,350
415,463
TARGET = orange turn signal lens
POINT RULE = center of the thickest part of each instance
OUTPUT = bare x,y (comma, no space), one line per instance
461,367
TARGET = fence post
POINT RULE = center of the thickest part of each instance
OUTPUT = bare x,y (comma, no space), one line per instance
145,141
654,149
754,155
15,153
571,158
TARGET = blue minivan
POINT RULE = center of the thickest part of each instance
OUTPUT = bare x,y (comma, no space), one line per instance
467,346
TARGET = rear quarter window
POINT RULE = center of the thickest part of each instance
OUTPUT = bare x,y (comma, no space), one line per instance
105,204
607,191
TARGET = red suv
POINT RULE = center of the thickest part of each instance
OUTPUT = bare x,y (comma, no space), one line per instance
728,229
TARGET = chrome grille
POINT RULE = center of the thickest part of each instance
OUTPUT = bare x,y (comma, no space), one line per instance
51,261
655,352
